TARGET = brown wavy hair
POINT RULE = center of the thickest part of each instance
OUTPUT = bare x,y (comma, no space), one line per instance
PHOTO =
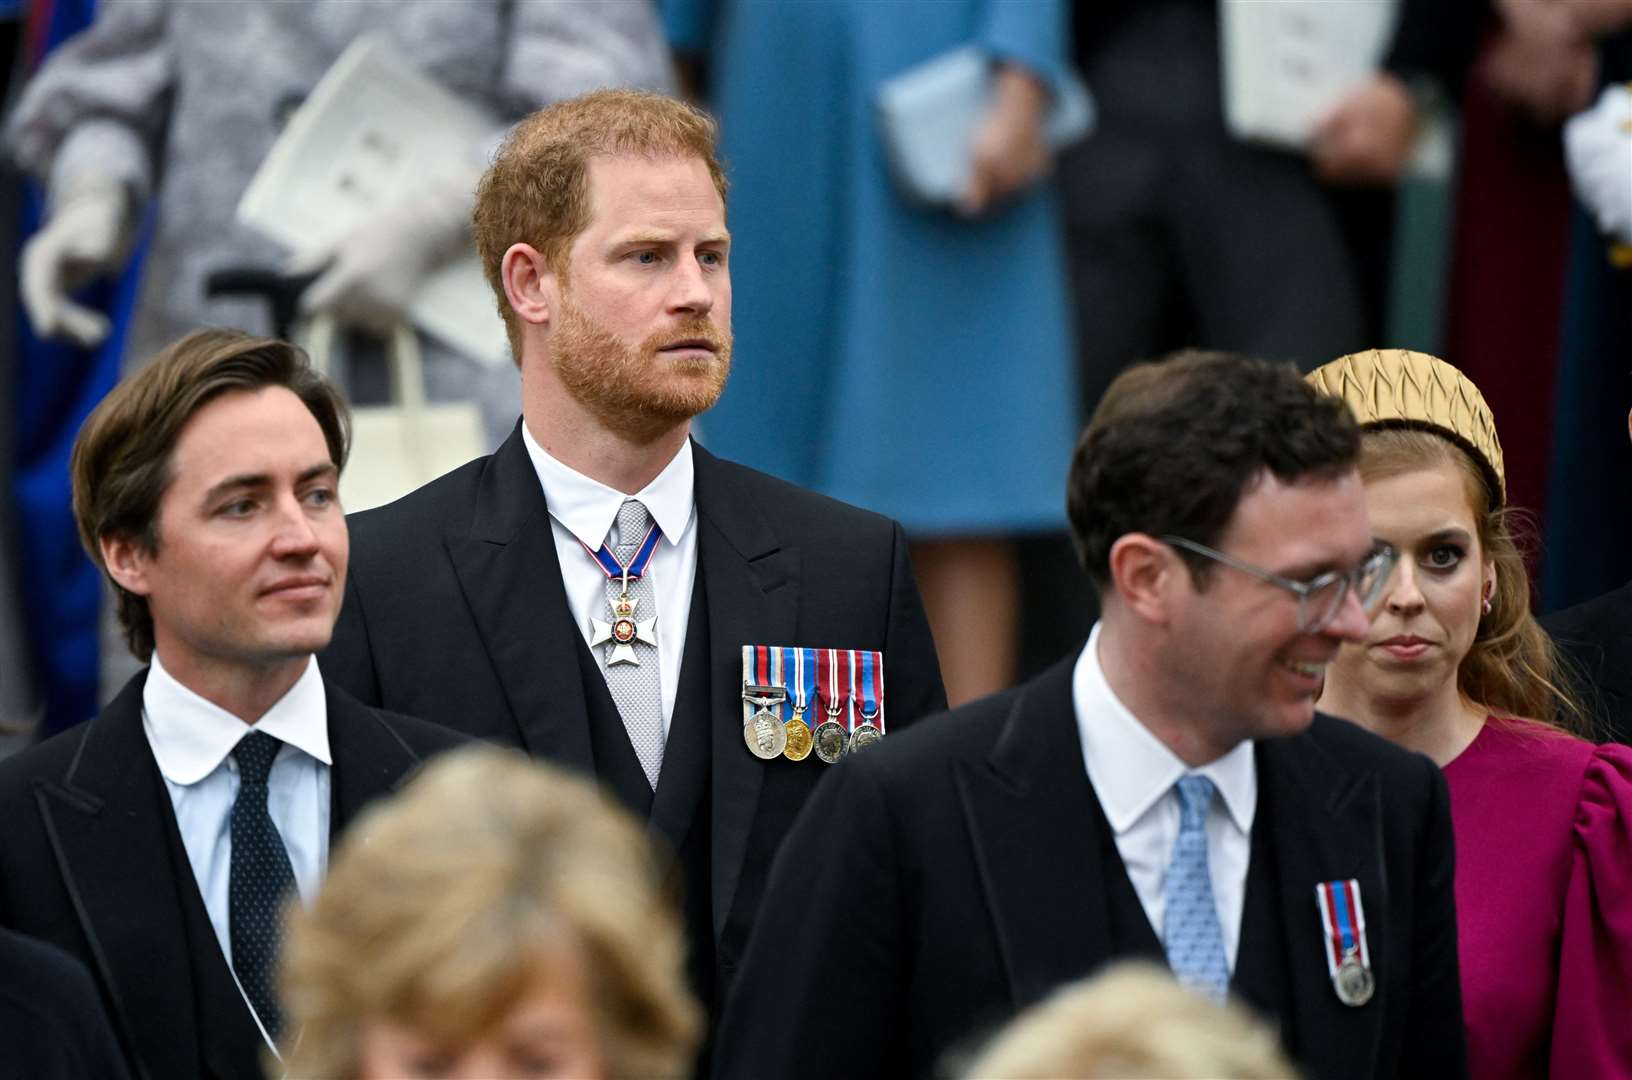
1513,668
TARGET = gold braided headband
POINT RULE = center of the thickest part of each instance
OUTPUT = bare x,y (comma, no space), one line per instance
1397,388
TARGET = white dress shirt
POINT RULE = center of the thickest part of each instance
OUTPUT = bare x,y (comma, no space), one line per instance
582,512
193,740
1133,773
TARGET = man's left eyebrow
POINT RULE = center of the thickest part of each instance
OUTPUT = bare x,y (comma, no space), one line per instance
325,468
242,480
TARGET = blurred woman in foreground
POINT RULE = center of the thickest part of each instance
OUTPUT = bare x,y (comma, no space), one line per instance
1456,667
499,918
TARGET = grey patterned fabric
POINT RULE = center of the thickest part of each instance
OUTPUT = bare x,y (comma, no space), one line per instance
1191,934
259,880
637,689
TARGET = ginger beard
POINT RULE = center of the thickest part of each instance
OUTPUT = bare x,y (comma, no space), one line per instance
638,392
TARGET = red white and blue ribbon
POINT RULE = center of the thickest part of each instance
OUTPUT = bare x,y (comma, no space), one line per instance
801,665
617,571
1343,922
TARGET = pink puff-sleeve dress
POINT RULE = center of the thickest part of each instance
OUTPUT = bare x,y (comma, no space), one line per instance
1543,826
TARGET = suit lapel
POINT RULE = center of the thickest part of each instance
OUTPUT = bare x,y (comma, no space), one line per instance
510,575
681,782
104,824
1029,809
753,599
369,759
1326,825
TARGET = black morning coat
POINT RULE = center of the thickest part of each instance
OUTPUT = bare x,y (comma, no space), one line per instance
91,860
455,608
953,876
1595,639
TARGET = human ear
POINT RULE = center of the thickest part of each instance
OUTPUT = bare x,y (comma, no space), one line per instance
1143,572
529,283
127,563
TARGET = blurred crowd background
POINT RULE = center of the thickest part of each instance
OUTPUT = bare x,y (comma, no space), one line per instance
932,363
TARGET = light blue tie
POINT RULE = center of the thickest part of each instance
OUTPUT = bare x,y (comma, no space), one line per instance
1192,937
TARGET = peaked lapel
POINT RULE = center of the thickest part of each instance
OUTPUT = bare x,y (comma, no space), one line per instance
370,759
1047,901
508,569
1326,824
752,580
105,826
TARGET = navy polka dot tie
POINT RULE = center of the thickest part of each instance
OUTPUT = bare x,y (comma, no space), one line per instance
260,879
1192,935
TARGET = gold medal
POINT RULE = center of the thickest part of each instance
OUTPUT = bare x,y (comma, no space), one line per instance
800,740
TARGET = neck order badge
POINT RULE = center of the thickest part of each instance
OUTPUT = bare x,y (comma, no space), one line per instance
624,629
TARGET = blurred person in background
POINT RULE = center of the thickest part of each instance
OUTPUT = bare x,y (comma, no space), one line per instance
497,919
908,358
1455,667
173,106
1589,458
1131,1021
155,842
1596,637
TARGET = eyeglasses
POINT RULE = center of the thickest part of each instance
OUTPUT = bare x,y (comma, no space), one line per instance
1321,597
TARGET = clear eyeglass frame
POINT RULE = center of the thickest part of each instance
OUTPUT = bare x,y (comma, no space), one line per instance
1321,597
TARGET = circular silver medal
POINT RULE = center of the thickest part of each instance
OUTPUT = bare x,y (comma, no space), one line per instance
831,739
1354,982
765,735
864,736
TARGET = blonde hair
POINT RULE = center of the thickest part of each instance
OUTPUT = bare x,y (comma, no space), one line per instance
446,903
1132,1021
537,189
1513,666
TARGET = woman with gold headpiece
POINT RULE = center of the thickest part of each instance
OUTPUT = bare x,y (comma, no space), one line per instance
1456,667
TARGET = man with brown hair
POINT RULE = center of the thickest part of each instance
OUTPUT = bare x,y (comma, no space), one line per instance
1169,793
489,598
158,842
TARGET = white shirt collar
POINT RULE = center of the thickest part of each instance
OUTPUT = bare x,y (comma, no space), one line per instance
191,736
1131,768
587,508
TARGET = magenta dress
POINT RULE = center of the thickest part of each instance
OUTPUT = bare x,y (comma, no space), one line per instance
1544,902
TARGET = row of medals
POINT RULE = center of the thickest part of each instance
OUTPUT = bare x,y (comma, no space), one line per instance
768,736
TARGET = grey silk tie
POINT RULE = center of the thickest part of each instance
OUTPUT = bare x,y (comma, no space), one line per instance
637,689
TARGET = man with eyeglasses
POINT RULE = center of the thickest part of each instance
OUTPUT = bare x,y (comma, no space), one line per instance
1169,793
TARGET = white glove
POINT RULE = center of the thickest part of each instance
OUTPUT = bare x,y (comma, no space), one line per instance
374,271
1598,147
87,236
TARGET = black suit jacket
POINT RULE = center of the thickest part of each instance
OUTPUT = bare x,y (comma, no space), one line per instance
88,862
455,608
1596,639
52,1026
936,885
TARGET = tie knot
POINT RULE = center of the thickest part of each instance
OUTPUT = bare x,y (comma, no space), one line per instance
1195,796
254,754
633,521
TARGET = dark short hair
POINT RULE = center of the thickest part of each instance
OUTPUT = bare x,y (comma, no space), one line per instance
1175,443
121,459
